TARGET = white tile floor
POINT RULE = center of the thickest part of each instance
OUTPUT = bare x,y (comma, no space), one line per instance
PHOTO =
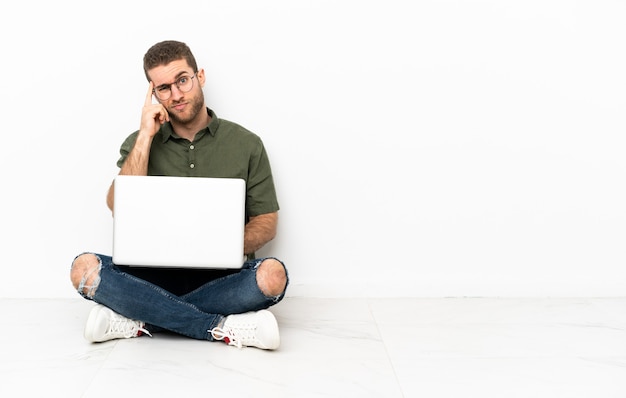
334,348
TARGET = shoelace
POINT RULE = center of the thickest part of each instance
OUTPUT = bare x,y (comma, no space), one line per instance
122,326
232,337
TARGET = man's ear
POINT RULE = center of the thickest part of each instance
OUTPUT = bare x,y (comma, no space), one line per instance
201,77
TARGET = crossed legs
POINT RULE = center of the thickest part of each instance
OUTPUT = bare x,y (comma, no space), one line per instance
260,284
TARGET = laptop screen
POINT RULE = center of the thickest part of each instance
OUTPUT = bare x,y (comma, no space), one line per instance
189,222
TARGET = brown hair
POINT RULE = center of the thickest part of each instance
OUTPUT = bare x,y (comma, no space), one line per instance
165,52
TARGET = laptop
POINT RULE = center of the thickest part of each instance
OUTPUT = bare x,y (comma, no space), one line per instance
179,222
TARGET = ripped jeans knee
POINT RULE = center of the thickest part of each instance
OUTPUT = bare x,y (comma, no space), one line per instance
85,274
273,280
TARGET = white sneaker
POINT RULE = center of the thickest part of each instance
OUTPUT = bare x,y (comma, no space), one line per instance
104,324
253,329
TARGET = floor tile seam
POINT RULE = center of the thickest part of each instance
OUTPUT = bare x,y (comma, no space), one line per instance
386,348
101,366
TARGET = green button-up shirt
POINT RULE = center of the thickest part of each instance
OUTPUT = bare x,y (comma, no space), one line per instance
222,149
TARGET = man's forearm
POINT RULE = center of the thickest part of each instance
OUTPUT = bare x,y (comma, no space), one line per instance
136,163
259,230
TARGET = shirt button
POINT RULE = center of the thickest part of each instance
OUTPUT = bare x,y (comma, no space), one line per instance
191,147
192,165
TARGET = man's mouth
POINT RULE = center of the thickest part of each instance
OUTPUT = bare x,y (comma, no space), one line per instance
180,107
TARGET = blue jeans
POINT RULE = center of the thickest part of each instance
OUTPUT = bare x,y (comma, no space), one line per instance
192,314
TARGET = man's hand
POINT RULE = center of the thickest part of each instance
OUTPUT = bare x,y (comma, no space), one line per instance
152,115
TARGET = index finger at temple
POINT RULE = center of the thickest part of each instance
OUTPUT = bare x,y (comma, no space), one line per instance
149,95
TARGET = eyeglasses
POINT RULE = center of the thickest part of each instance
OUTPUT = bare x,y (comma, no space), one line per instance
184,84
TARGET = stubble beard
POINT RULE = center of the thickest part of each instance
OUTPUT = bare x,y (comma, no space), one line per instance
197,105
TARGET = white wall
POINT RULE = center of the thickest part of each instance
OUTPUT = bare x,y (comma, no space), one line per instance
420,148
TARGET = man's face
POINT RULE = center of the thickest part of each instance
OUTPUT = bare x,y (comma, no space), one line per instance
173,79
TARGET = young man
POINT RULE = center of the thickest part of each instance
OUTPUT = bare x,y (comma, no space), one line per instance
181,136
